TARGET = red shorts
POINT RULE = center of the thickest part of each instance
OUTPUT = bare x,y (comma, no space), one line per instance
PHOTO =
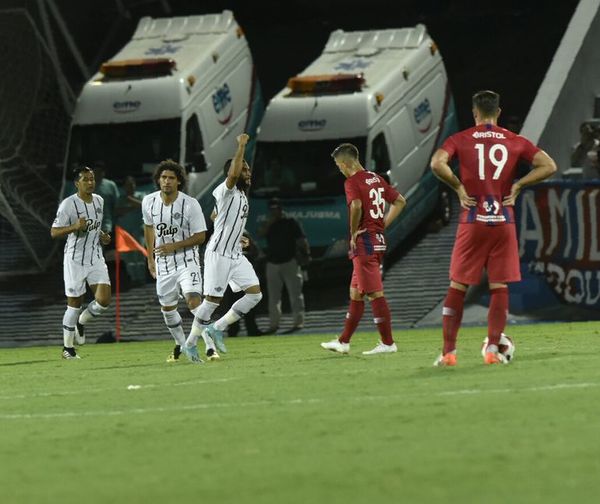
480,246
366,273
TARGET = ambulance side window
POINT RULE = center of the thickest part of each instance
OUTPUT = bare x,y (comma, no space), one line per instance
380,156
194,146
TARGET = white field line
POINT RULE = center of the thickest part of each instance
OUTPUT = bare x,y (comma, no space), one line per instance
91,391
139,386
542,388
271,403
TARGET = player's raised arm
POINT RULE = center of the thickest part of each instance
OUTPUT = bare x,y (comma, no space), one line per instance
543,167
441,169
237,163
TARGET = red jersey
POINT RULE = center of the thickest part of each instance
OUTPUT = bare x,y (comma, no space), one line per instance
373,192
488,157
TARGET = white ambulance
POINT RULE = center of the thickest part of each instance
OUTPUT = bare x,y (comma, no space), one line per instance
181,88
385,91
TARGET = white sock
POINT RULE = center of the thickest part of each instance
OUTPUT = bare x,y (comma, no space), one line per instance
226,320
238,309
69,321
173,322
94,309
203,312
202,316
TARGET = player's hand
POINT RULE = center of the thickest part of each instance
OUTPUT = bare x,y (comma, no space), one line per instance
80,225
512,197
245,241
243,139
466,201
104,238
165,249
152,267
354,237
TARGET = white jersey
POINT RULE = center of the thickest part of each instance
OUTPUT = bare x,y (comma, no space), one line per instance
172,223
232,213
82,247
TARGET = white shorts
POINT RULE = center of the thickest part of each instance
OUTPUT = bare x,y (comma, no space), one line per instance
188,280
220,271
76,276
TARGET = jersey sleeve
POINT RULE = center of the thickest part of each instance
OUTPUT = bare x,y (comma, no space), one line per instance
222,190
529,150
221,193
146,211
197,220
450,146
352,191
63,216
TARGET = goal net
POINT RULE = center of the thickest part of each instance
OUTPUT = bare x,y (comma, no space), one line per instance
35,104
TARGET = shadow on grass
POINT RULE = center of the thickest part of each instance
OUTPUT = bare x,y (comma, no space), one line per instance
26,363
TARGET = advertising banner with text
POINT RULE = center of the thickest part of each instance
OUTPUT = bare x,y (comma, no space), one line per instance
559,228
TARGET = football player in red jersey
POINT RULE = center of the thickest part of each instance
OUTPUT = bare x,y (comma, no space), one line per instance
486,237
366,195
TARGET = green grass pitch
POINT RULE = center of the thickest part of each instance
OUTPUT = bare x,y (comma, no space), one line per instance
279,420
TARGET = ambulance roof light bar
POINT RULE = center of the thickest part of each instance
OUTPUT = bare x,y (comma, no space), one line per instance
326,84
137,68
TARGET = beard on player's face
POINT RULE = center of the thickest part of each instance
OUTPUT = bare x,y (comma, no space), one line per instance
242,184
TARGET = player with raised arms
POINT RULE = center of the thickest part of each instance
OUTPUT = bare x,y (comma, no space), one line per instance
224,261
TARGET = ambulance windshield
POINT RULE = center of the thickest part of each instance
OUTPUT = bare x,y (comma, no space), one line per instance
297,169
133,148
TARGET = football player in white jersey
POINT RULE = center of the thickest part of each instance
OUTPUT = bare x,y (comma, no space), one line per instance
174,227
224,262
79,218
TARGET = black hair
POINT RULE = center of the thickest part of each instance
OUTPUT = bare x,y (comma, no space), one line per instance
169,164
346,150
487,102
226,166
78,171
241,184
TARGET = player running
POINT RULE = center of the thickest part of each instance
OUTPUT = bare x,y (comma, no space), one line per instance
79,218
174,227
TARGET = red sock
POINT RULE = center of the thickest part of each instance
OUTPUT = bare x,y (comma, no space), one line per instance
383,319
355,313
497,314
452,317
